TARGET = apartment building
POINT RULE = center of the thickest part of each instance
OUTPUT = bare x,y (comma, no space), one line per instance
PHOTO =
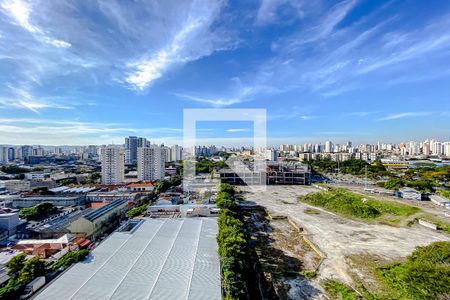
150,163
113,160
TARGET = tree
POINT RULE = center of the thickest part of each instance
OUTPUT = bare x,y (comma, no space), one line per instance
33,268
15,265
394,184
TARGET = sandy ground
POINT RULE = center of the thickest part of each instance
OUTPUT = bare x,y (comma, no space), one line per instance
338,237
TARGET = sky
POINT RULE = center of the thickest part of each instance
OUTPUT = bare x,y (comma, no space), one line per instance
93,72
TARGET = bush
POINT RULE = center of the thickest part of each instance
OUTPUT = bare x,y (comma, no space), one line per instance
38,211
232,239
424,275
352,205
137,211
70,258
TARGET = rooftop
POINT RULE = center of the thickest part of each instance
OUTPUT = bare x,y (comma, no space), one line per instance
91,216
161,259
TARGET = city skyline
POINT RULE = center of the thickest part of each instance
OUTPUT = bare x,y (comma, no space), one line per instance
76,75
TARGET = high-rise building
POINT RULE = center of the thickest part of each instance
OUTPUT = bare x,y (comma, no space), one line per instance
113,159
150,163
271,154
3,155
328,147
11,154
132,143
176,153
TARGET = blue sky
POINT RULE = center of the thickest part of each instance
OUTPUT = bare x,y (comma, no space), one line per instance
83,72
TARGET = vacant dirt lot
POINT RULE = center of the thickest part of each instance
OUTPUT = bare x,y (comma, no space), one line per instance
339,237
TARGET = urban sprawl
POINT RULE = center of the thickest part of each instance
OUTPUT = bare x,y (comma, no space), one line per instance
309,218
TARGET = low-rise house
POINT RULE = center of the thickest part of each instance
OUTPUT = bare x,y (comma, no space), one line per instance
43,248
410,194
146,186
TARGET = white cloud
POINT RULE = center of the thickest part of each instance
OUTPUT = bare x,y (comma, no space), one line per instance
236,130
21,11
405,115
215,102
193,41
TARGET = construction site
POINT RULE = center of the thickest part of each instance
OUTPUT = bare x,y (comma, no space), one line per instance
302,246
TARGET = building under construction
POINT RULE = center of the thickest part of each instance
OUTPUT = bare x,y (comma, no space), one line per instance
275,172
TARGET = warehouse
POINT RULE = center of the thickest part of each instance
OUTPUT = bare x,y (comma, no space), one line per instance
160,259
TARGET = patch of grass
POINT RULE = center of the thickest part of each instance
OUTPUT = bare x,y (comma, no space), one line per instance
338,290
424,275
349,204
312,211
309,274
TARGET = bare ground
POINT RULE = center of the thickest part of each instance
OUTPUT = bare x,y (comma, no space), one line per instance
338,237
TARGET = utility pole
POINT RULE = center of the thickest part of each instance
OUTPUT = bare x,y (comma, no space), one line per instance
365,183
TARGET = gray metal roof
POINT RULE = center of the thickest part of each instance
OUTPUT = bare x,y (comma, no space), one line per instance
103,210
162,259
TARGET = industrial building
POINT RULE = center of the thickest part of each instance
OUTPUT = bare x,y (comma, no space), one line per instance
96,222
21,202
155,259
276,172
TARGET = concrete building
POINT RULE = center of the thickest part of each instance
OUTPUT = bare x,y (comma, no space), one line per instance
21,202
112,165
96,222
328,147
132,143
275,173
151,163
16,186
9,222
176,153
409,193
271,154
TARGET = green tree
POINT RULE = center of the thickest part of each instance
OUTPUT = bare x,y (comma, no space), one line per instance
32,268
15,265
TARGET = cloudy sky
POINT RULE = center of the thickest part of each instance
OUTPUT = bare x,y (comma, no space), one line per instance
82,72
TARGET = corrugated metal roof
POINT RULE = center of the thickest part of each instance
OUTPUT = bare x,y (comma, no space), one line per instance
103,210
162,259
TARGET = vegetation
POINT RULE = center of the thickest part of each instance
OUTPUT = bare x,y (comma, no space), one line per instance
233,245
394,184
21,272
37,212
137,211
338,290
349,204
424,275
352,166
70,258
444,193
14,170
205,165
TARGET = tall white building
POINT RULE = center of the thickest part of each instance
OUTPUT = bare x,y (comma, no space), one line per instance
150,163
113,161
271,154
328,147
176,153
